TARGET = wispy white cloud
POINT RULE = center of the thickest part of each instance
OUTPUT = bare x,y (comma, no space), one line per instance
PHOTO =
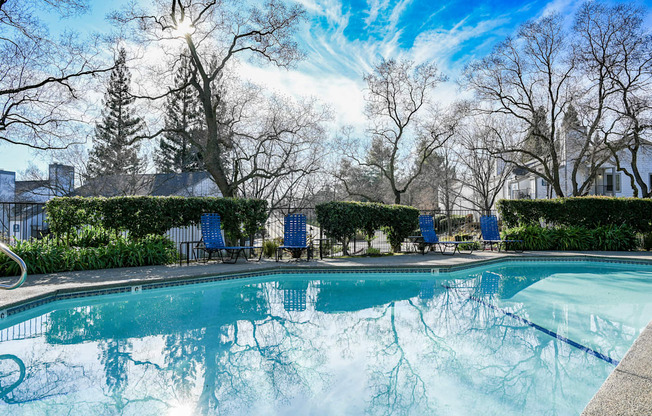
441,45
332,10
375,6
342,94
336,63
560,6
397,12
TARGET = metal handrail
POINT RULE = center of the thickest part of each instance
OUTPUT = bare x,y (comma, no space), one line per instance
23,268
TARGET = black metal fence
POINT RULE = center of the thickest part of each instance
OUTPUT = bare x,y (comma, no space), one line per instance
25,221
451,225
22,221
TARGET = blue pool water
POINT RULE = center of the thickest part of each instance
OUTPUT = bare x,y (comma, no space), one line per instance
513,339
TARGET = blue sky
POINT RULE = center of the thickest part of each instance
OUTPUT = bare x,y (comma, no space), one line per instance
343,38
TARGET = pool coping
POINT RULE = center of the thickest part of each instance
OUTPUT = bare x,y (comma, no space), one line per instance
627,390
107,288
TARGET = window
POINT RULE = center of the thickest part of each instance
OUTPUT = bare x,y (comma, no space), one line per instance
618,182
650,180
609,182
544,183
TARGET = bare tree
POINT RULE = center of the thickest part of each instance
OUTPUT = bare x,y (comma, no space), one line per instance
527,77
277,148
579,103
588,123
397,93
481,173
214,34
617,31
358,180
450,186
40,77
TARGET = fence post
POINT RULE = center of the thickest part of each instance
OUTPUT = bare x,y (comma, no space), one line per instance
321,237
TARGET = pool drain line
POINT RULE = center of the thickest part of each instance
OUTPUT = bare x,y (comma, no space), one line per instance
542,329
549,332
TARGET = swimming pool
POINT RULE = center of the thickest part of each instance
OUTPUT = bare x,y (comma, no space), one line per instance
511,338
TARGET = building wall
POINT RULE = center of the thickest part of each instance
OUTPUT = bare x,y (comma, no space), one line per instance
644,166
41,195
7,186
541,191
61,179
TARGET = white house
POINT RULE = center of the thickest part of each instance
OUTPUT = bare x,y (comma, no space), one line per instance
523,184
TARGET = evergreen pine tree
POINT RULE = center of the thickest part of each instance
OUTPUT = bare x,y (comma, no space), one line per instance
182,121
113,153
535,137
572,130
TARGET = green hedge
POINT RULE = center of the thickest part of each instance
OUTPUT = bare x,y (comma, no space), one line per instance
588,212
341,220
602,238
145,215
45,256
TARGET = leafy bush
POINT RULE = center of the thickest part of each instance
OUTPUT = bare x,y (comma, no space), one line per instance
145,215
45,256
614,238
269,248
471,245
589,212
572,238
372,251
603,238
91,237
341,220
534,237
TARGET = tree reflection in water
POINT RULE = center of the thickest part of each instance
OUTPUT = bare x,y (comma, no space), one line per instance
295,346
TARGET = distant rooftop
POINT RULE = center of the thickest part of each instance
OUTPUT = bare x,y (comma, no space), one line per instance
157,184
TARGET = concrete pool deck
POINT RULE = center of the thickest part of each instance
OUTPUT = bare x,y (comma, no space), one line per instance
627,391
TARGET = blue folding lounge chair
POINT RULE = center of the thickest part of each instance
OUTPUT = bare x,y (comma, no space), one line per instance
491,235
211,230
430,239
294,237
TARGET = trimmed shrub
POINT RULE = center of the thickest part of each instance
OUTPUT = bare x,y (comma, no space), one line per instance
401,221
144,215
44,256
589,212
342,220
602,238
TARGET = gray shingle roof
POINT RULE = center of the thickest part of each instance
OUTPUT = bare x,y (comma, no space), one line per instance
158,184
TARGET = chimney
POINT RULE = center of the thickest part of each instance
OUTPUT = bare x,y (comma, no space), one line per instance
62,179
7,186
